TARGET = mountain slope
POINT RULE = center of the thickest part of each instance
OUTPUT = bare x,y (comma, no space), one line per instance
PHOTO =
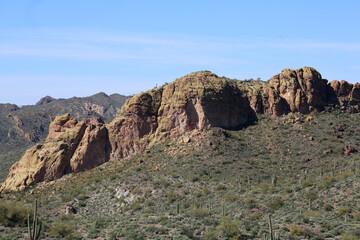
217,182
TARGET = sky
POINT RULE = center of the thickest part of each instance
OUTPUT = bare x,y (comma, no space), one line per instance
78,48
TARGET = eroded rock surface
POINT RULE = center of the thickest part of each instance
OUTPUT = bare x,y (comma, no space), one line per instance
192,103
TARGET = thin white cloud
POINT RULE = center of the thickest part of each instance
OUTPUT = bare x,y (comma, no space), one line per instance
160,48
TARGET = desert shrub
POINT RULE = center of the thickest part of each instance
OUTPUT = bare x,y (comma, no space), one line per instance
198,194
148,211
231,197
195,178
349,236
344,210
229,229
198,212
328,207
13,213
265,187
276,203
295,230
250,202
206,191
308,182
327,182
137,191
220,187
171,197
64,230
357,216
254,216
312,213
311,195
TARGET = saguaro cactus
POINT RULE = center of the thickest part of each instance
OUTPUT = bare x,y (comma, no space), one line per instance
270,228
34,233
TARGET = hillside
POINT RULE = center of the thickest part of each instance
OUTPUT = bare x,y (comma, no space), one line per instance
24,127
203,157
185,188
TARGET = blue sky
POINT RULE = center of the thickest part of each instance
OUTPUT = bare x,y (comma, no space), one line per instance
78,48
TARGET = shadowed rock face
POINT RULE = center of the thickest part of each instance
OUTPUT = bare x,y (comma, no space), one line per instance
191,103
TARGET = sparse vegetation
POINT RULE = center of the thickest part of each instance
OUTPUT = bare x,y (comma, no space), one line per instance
185,191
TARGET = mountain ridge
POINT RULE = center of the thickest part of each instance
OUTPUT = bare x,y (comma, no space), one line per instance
193,103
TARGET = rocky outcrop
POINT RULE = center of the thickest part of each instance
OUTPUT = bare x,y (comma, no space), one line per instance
303,90
347,94
193,102
190,104
62,152
93,149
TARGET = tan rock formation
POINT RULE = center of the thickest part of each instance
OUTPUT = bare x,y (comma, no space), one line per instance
304,90
347,94
188,105
193,102
49,160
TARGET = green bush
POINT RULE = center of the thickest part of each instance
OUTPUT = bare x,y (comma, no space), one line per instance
327,182
276,203
250,202
349,236
229,229
231,197
13,213
295,230
64,230
328,207
255,216
198,212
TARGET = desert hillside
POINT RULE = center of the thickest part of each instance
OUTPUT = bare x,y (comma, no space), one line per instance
203,157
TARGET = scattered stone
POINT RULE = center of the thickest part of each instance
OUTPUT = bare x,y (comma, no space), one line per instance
70,210
340,128
349,149
337,135
186,139
328,151
309,118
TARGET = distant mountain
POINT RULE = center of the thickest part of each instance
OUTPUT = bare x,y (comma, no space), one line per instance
45,100
22,127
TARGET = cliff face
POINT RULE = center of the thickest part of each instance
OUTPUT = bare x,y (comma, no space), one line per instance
191,103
